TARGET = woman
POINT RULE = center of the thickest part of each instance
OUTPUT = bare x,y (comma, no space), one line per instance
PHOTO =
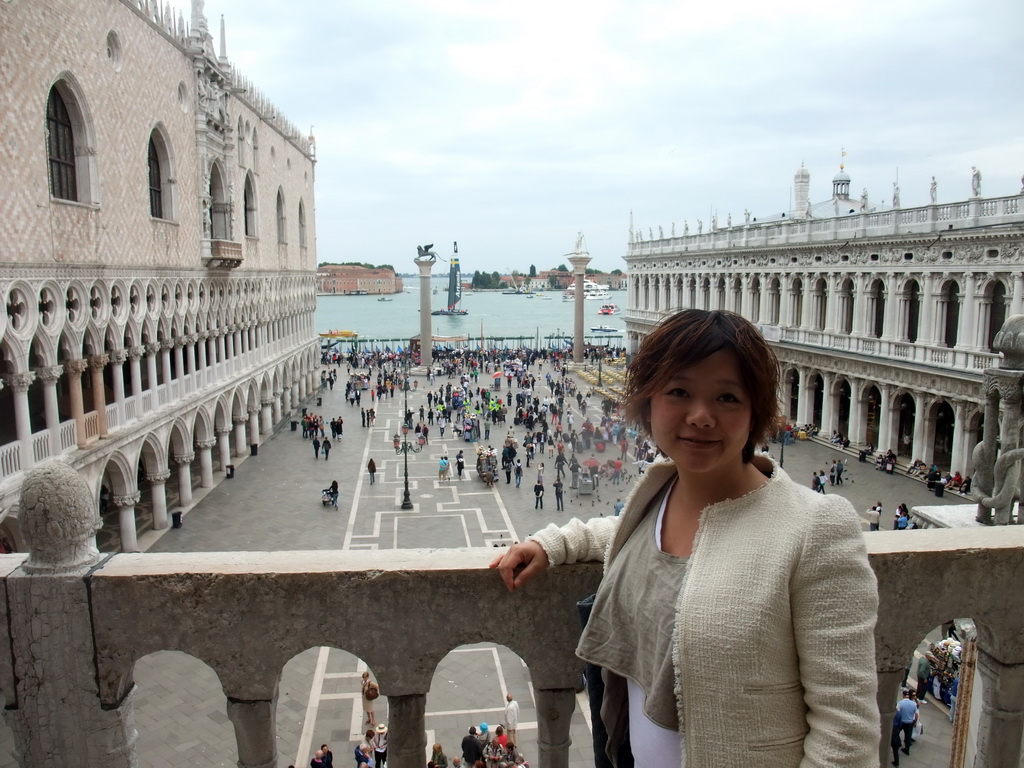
371,467
333,492
735,618
367,686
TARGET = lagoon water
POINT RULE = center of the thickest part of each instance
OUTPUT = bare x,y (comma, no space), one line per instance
499,315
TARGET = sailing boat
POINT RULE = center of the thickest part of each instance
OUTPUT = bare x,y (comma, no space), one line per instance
454,289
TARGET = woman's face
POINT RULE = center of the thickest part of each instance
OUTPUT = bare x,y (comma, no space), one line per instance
701,418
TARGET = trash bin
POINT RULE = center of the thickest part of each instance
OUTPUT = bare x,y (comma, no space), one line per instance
303,411
230,469
254,449
176,519
295,426
939,489
319,401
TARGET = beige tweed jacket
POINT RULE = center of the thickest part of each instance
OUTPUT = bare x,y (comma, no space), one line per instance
774,640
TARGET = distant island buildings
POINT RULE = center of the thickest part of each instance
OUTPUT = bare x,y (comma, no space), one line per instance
356,280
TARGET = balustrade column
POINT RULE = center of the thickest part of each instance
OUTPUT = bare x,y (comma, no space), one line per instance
74,370
254,426
158,495
99,401
407,742
965,338
827,403
126,520
857,426
224,446
19,383
49,377
135,371
117,358
240,444
184,462
1002,719
267,416
255,724
554,714
205,462
885,417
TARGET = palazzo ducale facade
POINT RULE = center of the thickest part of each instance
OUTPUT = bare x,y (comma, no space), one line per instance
159,259
883,317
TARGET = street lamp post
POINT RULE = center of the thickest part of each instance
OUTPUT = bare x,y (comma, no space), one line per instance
403,446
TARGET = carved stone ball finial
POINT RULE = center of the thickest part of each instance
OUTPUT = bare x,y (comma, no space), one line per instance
58,520
1010,341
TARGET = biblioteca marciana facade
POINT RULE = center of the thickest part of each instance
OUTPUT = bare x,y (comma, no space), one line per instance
883,317
158,247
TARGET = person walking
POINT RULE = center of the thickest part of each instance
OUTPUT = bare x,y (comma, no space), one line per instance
371,467
442,469
518,470
316,447
907,712
559,499
460,464
370,693
924,677
840,468
326,447
472,749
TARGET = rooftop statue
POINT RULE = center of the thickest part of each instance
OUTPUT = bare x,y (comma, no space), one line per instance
426,252
975,182
933,191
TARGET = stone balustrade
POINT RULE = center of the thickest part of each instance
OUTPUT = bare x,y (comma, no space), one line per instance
75,622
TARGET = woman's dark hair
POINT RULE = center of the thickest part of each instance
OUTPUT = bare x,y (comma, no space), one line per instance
690,336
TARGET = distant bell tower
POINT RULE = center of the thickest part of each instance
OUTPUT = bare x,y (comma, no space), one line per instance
801,191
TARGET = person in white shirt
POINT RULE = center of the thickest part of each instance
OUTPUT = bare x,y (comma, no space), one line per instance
511,717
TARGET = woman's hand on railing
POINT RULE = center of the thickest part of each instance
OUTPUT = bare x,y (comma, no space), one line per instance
530,555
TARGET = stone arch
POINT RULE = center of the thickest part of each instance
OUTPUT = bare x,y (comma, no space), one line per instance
911,296
942,423
180,439
949,307
872,408
120,478
996,306
220,205
905,409
876,298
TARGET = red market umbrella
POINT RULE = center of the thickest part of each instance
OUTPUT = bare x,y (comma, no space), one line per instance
591,463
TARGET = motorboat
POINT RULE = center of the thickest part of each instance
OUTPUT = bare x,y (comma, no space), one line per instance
608,309
339,335
591,291
604,329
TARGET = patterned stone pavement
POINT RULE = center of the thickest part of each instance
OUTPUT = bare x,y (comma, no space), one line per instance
273,503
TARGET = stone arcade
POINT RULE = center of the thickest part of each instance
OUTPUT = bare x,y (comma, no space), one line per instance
883,318
158,245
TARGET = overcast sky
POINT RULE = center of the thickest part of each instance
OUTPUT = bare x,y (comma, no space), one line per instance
511,125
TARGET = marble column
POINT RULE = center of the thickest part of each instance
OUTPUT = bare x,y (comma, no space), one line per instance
99,401
49,377
224,446
885,417
178,351
426,332
857,425
961,450
579,261
240,445
965,338
554,714
126,520
276,408
19,384
158,495
805,405
408,738
862,308
890,331
827,403
134,354
267,416
117,358
205,462
921,448
255,724
254,426
1016,294
165,365
286,399
184,462
204,373
74,370
1001,724
152,350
